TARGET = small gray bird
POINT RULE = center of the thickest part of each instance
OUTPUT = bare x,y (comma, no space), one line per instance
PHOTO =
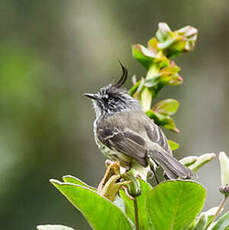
123,132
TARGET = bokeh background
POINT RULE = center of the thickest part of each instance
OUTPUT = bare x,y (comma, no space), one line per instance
51,52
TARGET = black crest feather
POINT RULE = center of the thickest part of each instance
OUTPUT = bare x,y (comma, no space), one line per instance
123,77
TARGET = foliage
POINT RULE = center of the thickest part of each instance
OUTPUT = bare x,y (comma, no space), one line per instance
53,227
123,201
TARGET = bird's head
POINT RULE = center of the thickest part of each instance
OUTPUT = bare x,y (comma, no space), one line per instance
112,98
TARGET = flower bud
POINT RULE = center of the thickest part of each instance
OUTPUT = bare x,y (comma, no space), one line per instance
134,187
164,32
176,42
224,190
224,168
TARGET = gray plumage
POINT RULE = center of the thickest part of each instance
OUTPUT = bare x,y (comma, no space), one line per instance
123,132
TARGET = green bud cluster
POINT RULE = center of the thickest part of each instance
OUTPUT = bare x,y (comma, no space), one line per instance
161,71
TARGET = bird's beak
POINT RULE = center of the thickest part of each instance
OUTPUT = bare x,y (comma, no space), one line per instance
92,96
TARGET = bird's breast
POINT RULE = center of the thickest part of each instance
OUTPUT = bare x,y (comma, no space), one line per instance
111,154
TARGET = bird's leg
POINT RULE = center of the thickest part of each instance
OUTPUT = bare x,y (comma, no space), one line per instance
166,177
108,162
110,184
155,175
113,168
153,165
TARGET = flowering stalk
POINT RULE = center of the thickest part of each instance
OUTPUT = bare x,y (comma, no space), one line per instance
161,71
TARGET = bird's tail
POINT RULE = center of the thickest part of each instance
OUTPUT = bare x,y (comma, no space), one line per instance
172,167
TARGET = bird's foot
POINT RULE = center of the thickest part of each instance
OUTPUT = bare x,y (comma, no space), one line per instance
110,184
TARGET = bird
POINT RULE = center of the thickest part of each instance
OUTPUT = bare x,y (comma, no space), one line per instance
124,133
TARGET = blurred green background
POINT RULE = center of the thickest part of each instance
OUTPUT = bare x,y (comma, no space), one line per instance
51,52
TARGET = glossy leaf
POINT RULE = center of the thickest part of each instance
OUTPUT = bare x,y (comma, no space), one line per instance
222,223
167,107
141,202
175,204
53,227
99,212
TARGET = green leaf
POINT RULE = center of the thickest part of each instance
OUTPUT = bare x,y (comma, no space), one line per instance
152,45
201,223
163,32
222,223
99,212
162,120
173,145
204,219
189,160
171,79
210,214
170,124
175,42
74,180
141,202
146,99
137,88
134,88
201,161
175,204
166,44
167,107
53,227
143,55
153,81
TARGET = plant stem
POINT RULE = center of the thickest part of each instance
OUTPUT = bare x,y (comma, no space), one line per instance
221,206
136,213
147,94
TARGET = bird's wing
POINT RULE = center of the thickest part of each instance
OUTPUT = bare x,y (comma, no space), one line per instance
130,136
124,141
155,135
